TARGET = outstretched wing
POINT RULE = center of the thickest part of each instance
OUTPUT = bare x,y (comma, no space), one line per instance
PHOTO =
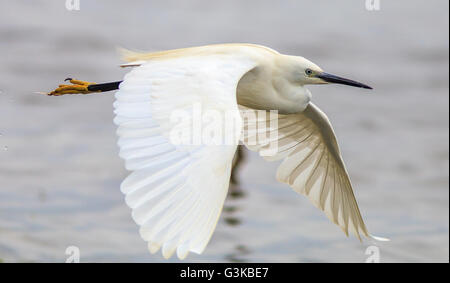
177,188
312,164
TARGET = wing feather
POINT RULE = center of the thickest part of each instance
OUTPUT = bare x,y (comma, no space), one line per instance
312,164
176,191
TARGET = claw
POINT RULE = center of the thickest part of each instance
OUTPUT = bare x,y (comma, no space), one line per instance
76,86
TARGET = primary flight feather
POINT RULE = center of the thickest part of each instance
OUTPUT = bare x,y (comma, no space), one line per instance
176,189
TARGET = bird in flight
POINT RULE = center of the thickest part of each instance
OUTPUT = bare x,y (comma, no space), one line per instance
176,190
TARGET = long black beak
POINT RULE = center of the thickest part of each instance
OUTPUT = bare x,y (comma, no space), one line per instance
338,80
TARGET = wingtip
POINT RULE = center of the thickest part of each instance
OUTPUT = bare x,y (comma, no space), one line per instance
183,251
153,247
380,239
168,250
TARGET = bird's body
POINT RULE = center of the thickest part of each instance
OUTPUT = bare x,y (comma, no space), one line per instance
177,189
268,80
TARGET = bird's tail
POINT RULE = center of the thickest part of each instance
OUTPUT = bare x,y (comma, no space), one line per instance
132,58
129,55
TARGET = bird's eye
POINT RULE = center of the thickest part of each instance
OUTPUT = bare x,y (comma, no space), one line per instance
309,72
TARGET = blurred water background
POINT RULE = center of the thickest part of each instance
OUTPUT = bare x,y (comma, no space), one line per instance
59,168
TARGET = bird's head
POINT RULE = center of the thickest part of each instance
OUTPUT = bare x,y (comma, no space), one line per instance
304,72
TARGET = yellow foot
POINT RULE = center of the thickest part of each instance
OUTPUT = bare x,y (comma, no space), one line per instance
76,87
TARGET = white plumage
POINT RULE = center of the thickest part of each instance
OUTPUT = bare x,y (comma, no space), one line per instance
176,191
312,164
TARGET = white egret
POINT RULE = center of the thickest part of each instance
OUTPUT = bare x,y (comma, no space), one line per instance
176,192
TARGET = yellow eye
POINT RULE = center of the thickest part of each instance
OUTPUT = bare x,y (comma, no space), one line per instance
308,72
